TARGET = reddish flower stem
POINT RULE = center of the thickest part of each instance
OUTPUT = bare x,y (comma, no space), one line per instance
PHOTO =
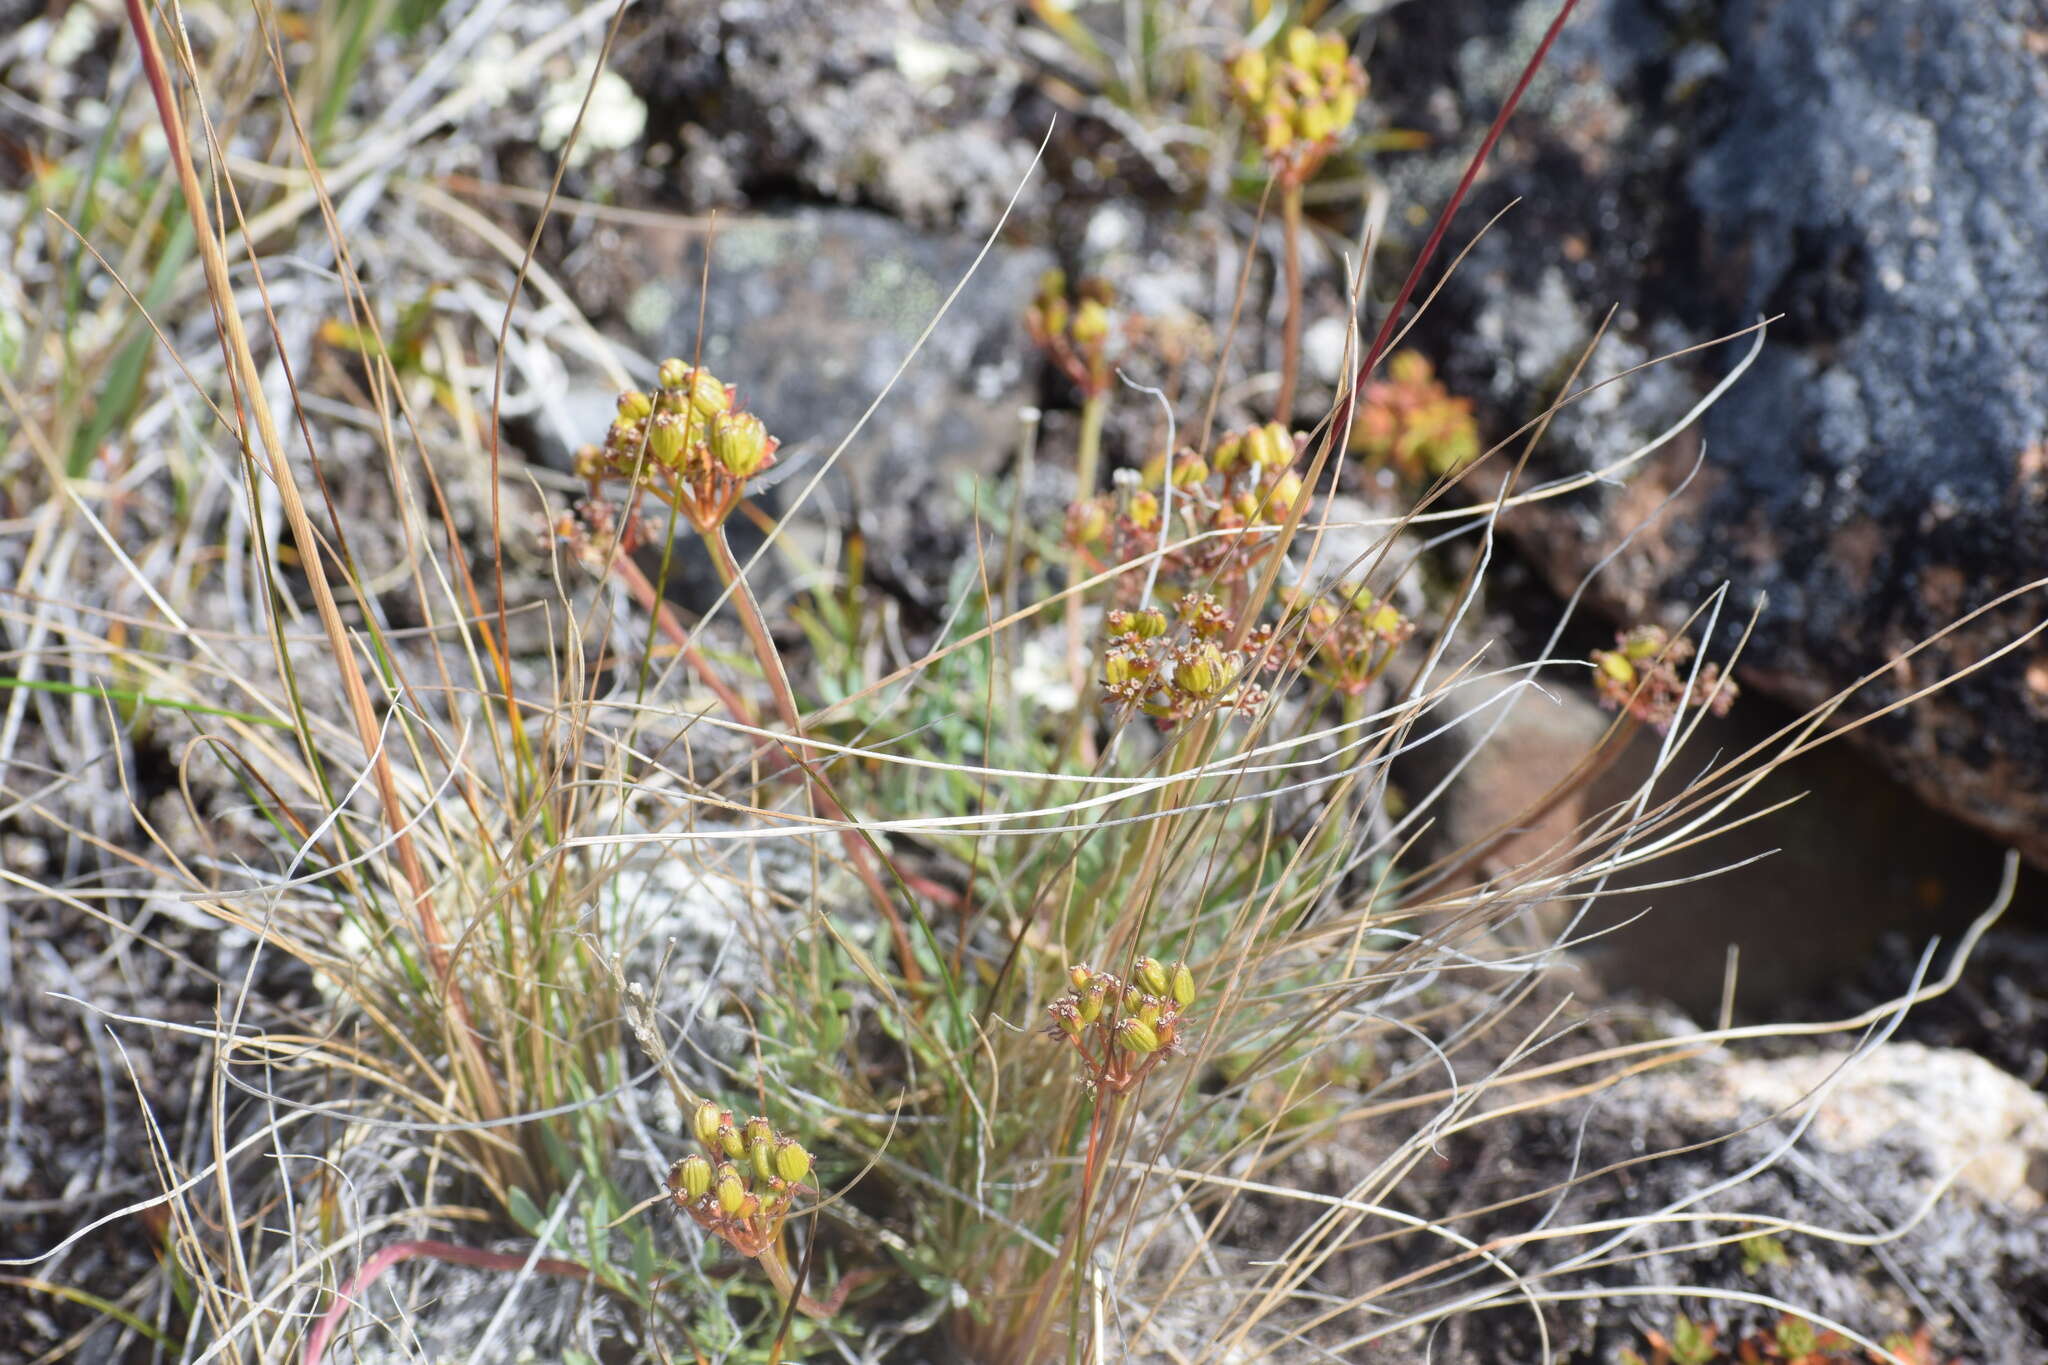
664,615
1340,430
783,1277
1290,335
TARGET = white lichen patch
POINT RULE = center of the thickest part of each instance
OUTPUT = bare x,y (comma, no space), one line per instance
615,119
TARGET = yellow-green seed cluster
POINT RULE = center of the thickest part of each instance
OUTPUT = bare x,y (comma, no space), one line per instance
1645,675
689,440
1216,518
1410,421
741,1186
1175,670
1347,636
1300,95
1123,1027
1073,329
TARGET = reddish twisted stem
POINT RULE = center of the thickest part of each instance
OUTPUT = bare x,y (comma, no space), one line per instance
1290,336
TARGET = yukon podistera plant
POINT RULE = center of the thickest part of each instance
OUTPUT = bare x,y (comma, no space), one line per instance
1300,97
1122,1029
741,1186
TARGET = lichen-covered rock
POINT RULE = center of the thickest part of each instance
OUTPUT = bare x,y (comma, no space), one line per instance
871,101
809,314
1870,171
1621,1207
1882,1141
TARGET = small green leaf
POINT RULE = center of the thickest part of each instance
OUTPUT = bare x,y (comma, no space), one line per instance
559,1156
1760,1251
596,1221
524,1211
1691,1343
646,1261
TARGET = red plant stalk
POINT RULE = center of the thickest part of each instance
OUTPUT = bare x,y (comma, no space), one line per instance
783,1277
1340,429
353,1288
651,602
1090,1168
1290,335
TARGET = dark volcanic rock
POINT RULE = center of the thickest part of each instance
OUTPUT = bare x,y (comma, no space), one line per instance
1873,171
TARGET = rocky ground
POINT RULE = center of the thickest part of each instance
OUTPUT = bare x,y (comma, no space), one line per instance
1849,164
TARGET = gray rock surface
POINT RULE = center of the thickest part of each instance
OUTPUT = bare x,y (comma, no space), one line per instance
1872,171
1648,1183
872,101
810,314
1882,1141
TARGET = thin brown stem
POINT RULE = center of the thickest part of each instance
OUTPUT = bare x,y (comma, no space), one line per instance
1470,861
1090,1168
857,850
1087,461
1385,335
312,560
650,601
1290,335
